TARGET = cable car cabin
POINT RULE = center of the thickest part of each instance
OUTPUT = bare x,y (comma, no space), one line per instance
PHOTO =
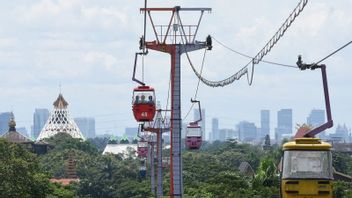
166,162
142,172
193,136
142,148
307,169
143,104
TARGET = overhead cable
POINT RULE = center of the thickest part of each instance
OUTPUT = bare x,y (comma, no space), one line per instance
328,56
197,88
250,57
257,58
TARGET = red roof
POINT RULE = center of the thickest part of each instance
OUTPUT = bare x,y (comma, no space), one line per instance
143,88
63,181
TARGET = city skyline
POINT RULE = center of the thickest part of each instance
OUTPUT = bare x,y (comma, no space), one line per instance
88,48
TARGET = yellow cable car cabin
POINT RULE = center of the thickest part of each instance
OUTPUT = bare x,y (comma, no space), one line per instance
307,169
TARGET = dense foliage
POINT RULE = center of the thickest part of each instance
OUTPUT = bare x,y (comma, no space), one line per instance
210,172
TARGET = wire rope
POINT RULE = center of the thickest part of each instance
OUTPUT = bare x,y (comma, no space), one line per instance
250,57
333,53
257,58
197,88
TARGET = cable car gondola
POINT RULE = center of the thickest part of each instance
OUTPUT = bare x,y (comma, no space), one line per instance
143,104
194,132
142,148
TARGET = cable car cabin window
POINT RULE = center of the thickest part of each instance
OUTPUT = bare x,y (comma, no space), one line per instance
194,132
143,98
307,165
142,144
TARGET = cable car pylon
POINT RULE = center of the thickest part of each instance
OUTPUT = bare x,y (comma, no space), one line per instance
160,128
182,42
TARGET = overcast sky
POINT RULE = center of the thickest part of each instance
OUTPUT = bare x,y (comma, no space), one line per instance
88,47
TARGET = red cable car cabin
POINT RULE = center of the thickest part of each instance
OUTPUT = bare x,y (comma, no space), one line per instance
143,104
193,136
142,148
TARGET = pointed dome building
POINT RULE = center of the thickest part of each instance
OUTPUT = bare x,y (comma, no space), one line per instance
13,135
60,122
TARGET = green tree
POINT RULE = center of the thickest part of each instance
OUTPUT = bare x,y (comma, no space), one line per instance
20,175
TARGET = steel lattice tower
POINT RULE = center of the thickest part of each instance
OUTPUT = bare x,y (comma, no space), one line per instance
182,43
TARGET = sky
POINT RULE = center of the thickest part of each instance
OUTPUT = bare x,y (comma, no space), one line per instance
88,46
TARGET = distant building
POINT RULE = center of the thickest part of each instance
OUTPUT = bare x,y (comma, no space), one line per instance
202,123
87,126
284,124
341,133
226,134
23,131
316,118
123,148
264,123
247,131
215,129
60,122
131,132
40,117
13,136
4,121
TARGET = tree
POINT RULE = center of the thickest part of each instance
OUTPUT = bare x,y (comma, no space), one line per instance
20,175
267,144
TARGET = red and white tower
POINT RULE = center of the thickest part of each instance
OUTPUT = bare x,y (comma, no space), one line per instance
183,39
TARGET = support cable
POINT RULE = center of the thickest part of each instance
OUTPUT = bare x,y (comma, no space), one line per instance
333,53
197,88
256,59
168,98
250,57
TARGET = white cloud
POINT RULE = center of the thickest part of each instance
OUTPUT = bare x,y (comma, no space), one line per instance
47,8
107,17
108,61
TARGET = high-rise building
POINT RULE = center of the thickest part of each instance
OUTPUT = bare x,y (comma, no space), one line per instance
264,123
341,133
202,123
40,117
247,131
131,132
284,124
4,122
317,118
87,126
214,129
227,134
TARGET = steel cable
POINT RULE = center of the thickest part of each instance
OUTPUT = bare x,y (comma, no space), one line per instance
250,57
197,88
256,59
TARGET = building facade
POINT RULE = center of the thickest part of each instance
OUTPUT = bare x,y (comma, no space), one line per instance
247,131
131,132
284,124
264,123
214,129
40,117
87,126
4,122
315,119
